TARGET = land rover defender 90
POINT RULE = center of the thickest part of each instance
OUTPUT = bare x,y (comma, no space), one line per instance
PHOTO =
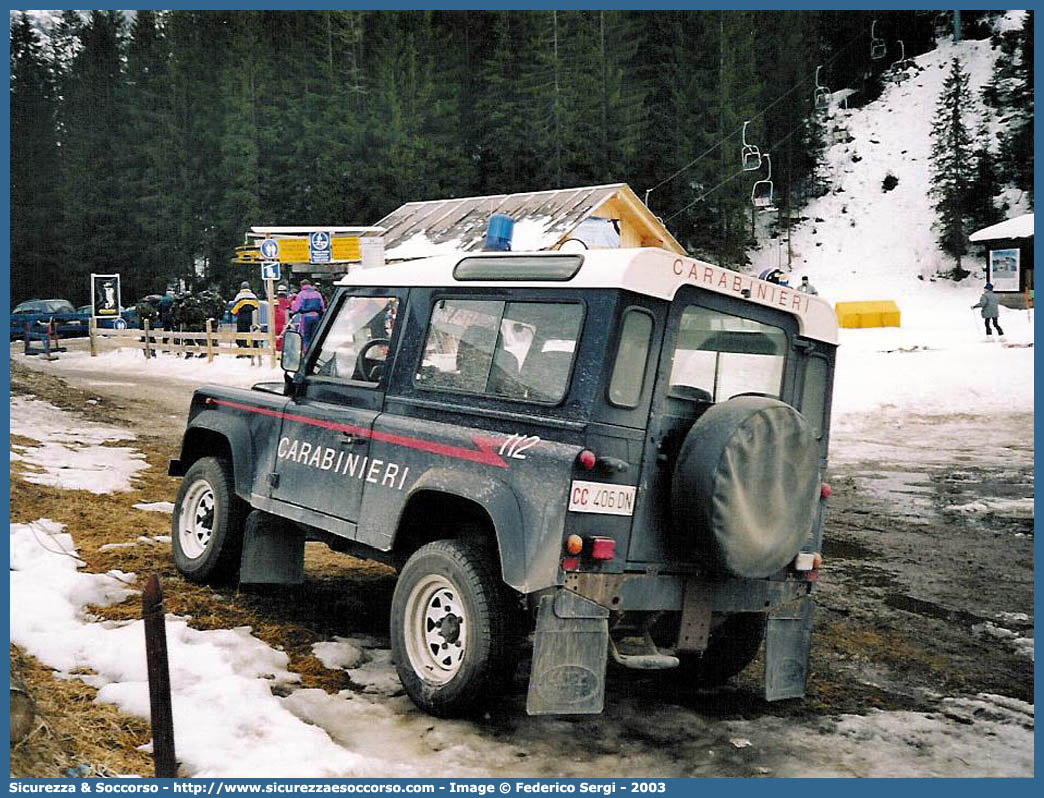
619,452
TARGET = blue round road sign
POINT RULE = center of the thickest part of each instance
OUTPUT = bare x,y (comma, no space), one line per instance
319,242
270,249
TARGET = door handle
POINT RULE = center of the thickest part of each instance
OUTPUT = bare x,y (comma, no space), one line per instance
347,439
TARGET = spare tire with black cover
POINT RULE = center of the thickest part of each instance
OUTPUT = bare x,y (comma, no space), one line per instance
746,486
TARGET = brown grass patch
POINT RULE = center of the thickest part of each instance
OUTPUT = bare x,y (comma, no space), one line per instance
72,729
341,595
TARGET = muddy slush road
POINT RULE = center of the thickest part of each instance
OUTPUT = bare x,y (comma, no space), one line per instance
926,596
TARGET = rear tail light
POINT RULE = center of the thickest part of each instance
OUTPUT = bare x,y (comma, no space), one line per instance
571,564
603,548
825,491
574,544
587,459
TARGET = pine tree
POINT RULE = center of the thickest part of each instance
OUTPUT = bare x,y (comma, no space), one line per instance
94,224
952,165
1017,145
35,210
148,162
985,184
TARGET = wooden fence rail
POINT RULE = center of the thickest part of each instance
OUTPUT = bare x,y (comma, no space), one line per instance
208,343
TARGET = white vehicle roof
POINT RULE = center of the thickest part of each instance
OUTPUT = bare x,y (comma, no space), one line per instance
647,270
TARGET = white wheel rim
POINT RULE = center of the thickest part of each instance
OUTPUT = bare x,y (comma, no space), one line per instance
435,629
196,521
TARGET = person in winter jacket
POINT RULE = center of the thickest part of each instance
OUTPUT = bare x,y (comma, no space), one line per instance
806,287
310,306
990,308
244,306
282,314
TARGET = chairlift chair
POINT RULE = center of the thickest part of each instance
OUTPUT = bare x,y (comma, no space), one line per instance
898,68
821,97
761,193
750,155
878,48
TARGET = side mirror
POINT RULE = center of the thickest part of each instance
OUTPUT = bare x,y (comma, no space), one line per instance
291,360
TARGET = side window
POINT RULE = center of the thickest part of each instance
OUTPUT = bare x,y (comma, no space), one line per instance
625,387
813,393
356,343
514,350
719,356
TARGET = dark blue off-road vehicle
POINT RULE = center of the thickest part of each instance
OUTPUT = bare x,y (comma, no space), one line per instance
620,451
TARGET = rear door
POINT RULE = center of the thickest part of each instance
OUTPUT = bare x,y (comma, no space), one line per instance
715,348
323,455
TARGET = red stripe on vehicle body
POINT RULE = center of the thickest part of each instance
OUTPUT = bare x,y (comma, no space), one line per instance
486,453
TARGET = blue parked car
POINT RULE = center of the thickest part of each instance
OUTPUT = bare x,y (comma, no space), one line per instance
128,318
33,311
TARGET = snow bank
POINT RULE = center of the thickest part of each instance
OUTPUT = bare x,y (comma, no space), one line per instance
225,370
71,454
227,722
156,507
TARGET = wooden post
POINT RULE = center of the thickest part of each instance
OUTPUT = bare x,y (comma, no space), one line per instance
147,348
92,328
161,712
210,345
270,290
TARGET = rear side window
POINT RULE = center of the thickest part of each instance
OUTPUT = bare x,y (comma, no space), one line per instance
625,387
813,393
513,350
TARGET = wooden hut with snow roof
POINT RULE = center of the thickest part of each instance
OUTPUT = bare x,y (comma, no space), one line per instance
590,217
1009,258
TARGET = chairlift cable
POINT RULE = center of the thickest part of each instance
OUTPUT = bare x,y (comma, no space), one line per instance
704,195
759,114
710,191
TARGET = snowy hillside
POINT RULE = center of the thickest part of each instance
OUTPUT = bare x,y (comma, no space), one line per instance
861,242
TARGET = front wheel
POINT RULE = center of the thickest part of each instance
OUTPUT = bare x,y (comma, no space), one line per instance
207,529
453,631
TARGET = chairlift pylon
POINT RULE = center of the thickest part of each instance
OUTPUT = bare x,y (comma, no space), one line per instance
821,96
761,193
878,48
750,156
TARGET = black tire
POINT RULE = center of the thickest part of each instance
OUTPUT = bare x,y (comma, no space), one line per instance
731,647
207,528
453,665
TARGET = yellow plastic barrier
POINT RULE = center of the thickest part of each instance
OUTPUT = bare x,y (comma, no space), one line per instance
875,313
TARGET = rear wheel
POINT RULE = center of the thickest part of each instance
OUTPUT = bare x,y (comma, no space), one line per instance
453,627
207,529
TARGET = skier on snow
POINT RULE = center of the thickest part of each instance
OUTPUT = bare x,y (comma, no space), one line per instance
990,309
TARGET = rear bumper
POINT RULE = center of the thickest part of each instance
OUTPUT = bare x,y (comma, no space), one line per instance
651,593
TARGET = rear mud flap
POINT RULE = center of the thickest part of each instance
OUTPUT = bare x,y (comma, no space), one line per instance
273,551
569,655
788,637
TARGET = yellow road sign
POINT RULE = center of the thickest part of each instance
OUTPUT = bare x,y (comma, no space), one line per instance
346,248
295,250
